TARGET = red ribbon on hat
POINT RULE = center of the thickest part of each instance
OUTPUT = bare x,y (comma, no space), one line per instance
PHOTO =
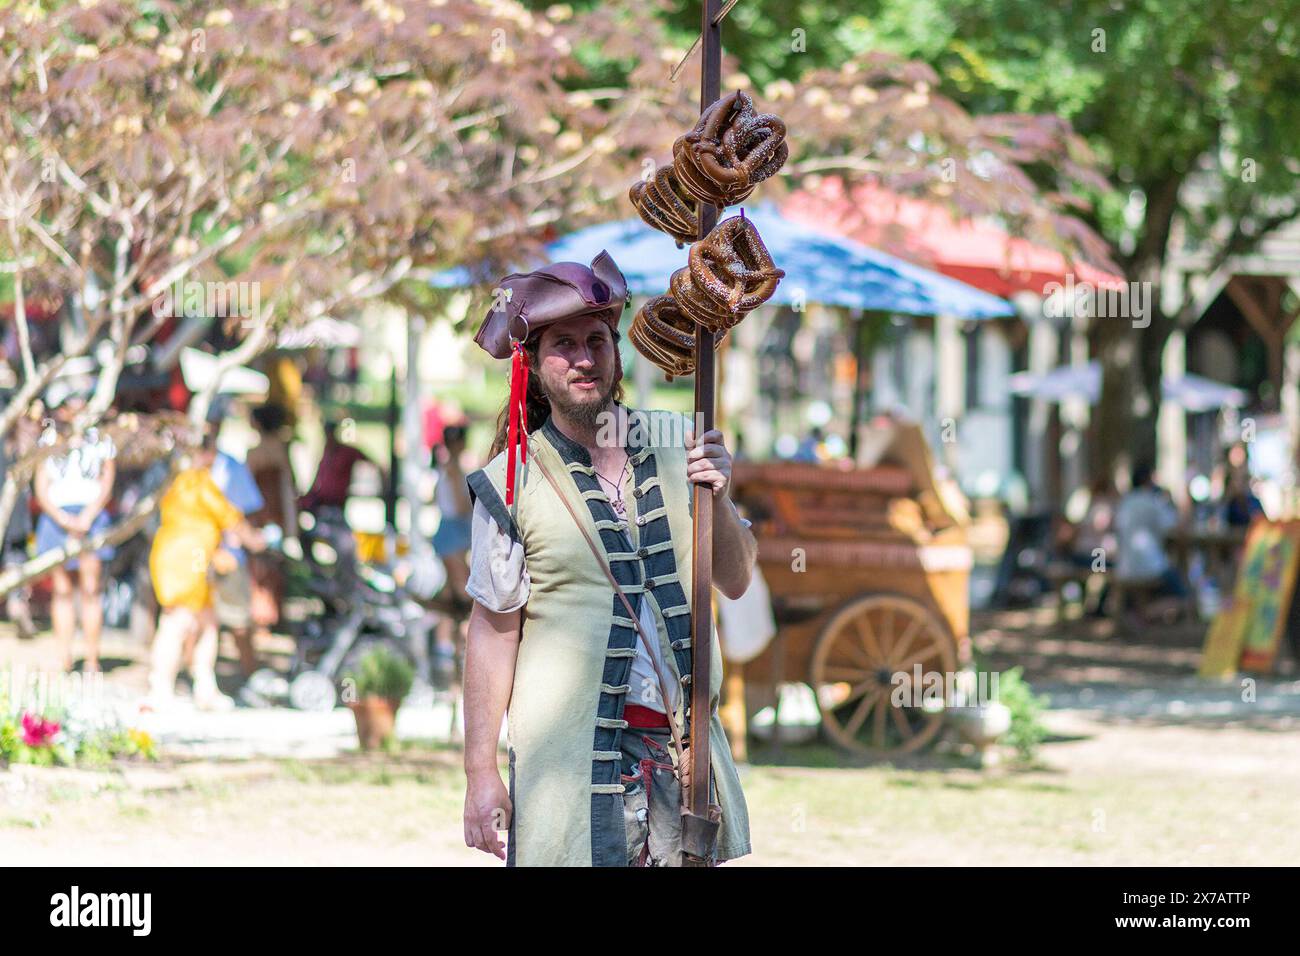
517,434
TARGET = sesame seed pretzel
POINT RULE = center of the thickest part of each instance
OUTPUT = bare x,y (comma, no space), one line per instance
732,267
730,151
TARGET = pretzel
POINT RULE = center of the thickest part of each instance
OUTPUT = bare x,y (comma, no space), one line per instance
758,147
660,339
674,200
650,212
706,137
699,185
663,204
665,335
698,306
733,268
714,122
730,151
732,143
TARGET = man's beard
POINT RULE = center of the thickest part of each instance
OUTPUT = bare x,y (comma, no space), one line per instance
584,414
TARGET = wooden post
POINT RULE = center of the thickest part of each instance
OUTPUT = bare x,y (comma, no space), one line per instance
394,463
734,719
702,553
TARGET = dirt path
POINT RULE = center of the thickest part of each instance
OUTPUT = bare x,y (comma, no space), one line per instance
1108,794
1146,766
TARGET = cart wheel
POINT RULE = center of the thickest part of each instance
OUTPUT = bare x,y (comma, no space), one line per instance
867,649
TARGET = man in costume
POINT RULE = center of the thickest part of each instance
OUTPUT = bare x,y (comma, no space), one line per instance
583,493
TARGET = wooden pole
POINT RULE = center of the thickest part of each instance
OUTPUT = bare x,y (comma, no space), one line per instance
702,554
394,463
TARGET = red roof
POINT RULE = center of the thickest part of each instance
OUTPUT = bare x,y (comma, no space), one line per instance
977,252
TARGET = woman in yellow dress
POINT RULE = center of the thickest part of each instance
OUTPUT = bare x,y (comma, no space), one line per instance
194,515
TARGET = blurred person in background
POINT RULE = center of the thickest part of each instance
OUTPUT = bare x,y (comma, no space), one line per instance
13,540
1145,516
1096,531
329,492
452,539
1240,503
232,590
1094,536
268,462
73,488
813,447
195,519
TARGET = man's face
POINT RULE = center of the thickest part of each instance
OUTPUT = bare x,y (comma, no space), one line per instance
579,367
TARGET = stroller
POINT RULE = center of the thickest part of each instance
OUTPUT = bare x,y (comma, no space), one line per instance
356,607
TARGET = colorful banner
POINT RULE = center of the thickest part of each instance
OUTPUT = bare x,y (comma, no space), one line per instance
1256,619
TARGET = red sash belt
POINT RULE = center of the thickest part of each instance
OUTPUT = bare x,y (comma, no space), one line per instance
643,717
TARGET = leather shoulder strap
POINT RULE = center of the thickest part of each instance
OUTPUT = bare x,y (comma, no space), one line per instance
609,575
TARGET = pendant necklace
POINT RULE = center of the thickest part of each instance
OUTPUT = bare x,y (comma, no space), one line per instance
617,503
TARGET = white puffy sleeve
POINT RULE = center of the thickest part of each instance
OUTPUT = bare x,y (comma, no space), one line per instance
498,576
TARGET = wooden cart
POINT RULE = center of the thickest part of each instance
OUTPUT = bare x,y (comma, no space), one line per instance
869,575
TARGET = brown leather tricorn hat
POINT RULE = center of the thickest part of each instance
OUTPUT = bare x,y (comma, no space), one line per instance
529,301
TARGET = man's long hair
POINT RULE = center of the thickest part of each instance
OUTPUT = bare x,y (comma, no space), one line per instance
536,402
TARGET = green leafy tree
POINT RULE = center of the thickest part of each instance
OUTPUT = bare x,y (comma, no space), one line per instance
859,110
1192,106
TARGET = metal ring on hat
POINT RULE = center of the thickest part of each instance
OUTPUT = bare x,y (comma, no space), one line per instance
520,317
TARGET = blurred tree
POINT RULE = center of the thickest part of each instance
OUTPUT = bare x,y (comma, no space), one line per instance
304,157
859,111
324,154
1191,105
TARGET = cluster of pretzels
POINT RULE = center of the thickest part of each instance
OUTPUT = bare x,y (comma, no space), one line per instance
730,151
665,335
730,272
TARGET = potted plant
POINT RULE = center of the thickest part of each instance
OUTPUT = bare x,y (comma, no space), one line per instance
992,708
380,682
